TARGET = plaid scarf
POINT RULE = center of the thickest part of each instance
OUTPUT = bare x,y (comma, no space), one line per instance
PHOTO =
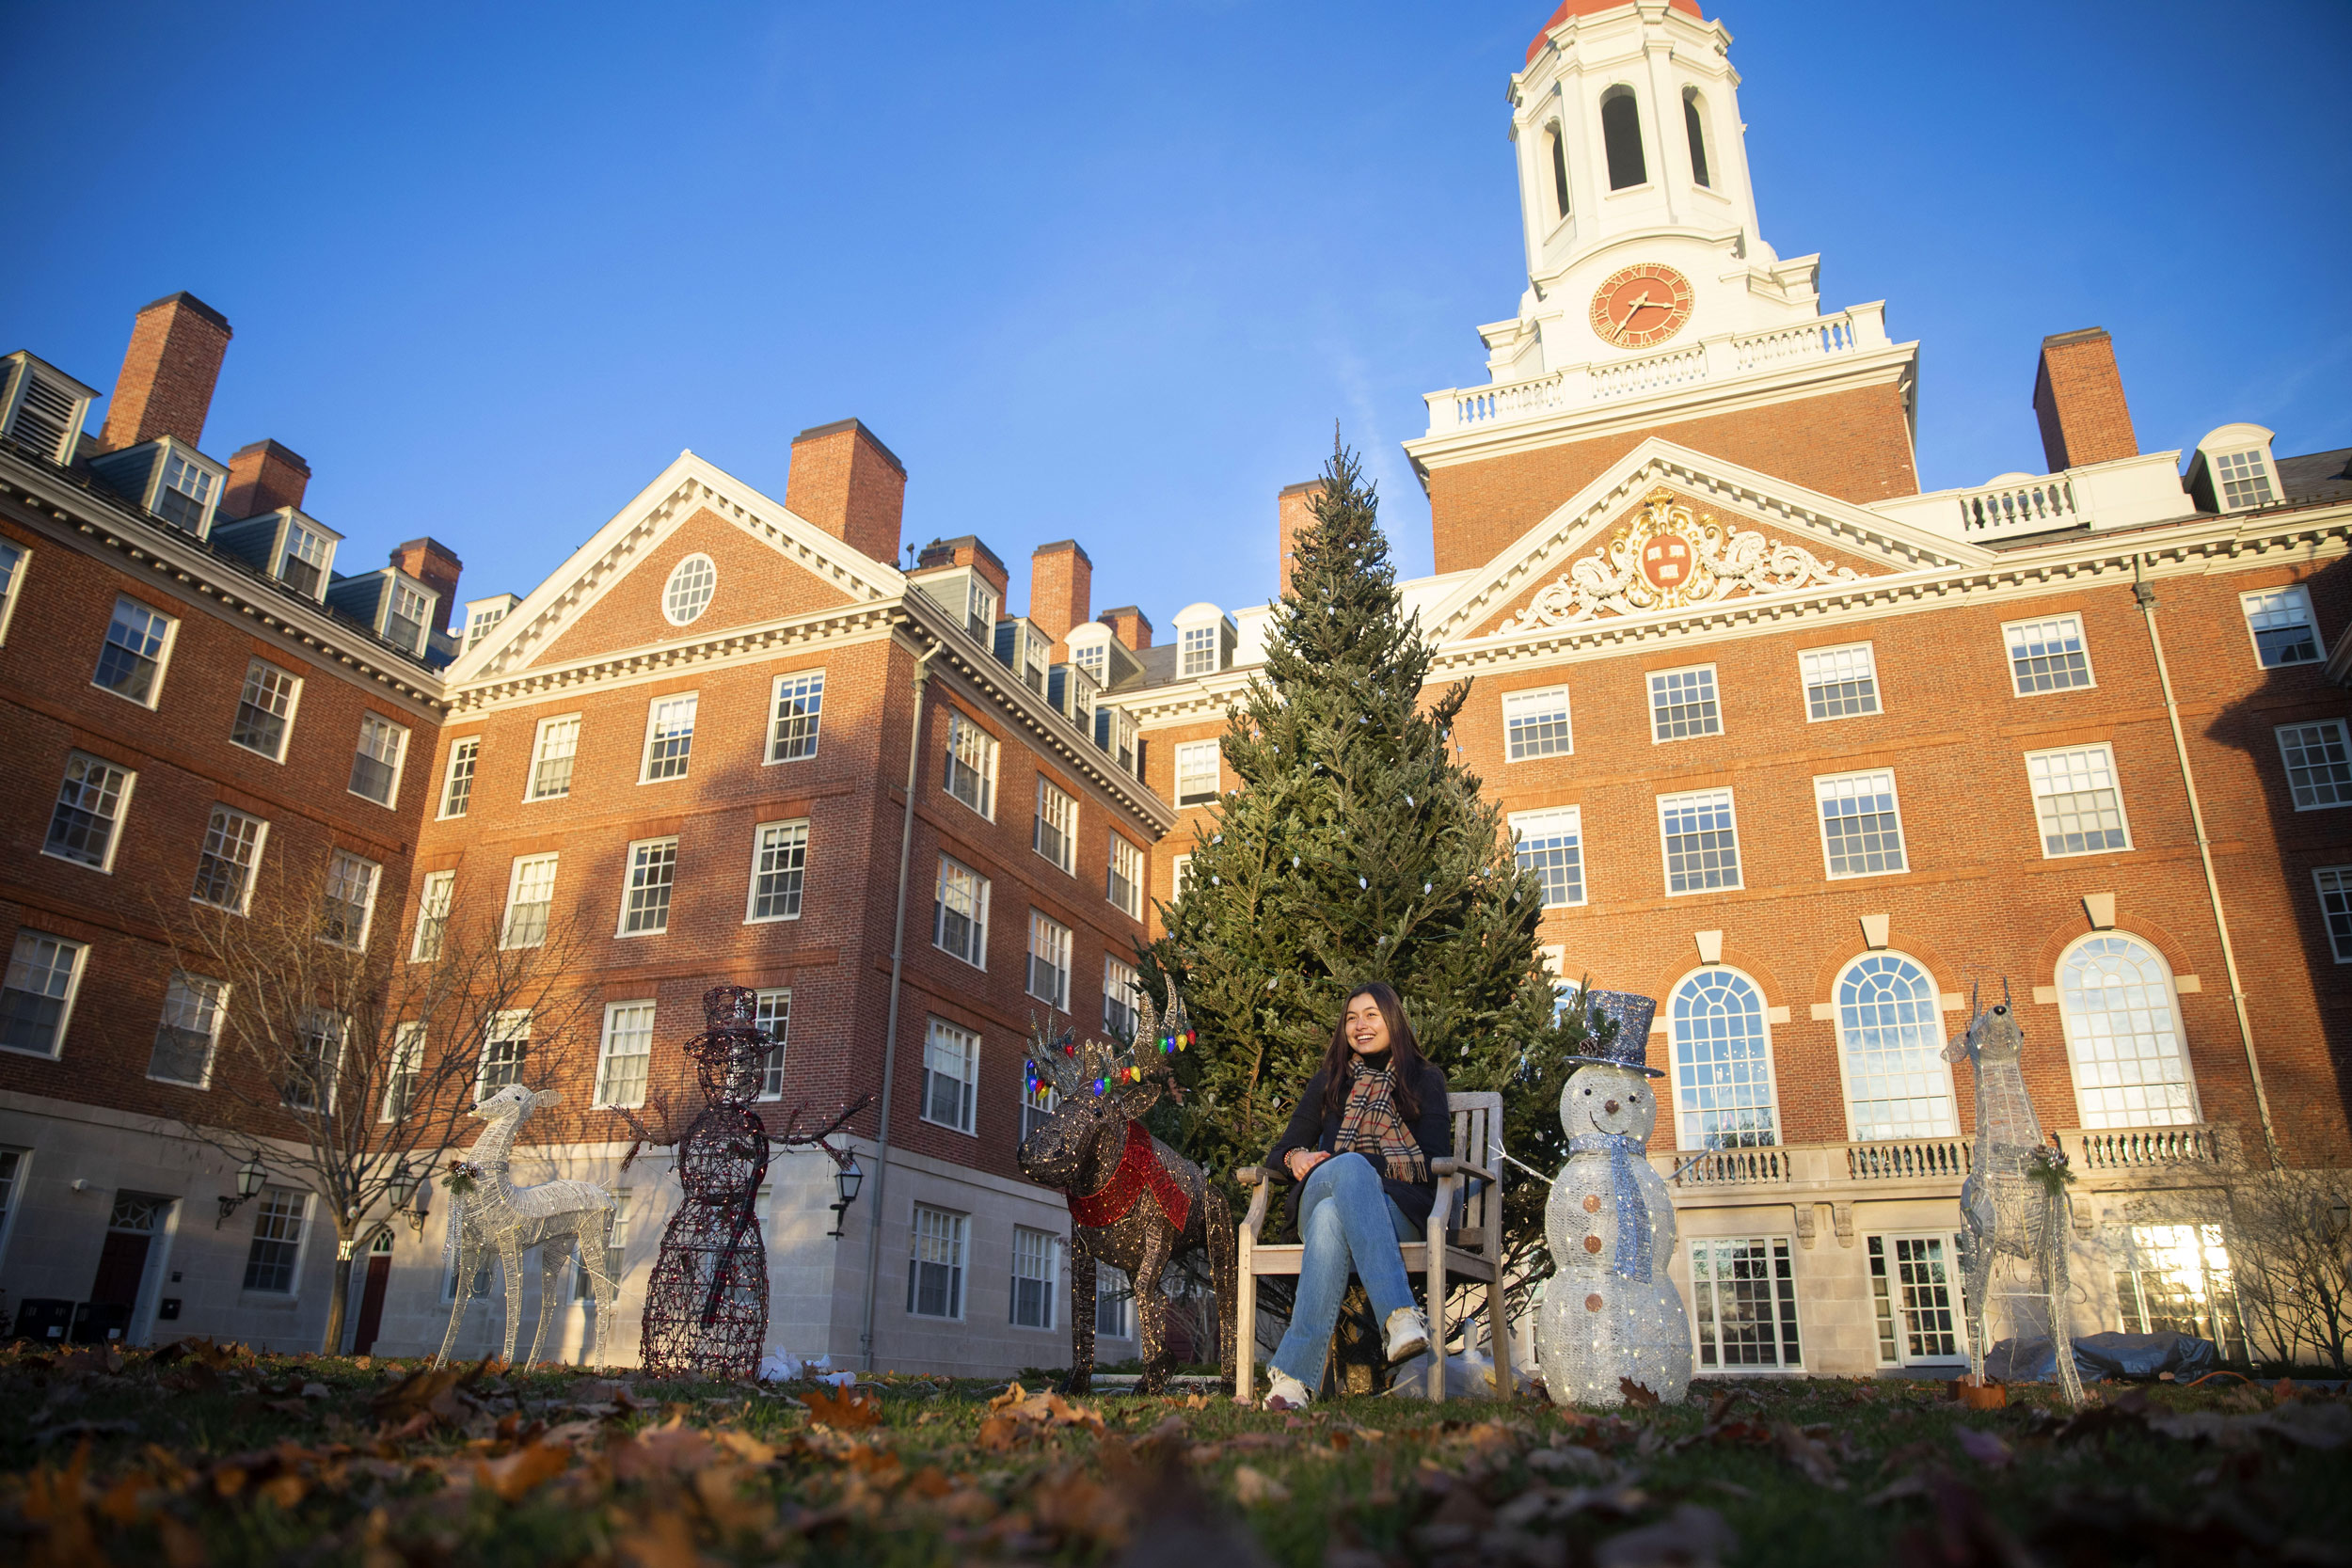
1370,1125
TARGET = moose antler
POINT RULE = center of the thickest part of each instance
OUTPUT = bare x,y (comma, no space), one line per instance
1058,1060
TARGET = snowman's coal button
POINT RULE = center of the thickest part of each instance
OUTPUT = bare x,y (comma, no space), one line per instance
1591,1203
1592,1244
1591,1303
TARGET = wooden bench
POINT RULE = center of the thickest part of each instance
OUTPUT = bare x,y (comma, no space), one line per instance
1464,1243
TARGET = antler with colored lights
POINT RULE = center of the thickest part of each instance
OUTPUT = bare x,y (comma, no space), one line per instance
1060,1061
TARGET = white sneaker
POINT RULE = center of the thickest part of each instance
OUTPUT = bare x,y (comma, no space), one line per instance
1409,1335
1287,1393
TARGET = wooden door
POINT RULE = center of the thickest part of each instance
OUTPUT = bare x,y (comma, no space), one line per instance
121,1265
372,1303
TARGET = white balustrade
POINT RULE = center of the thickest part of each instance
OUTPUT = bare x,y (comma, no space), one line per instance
1812,339
1655,374
2018,504
1735,1168
1908,1160
2141,1147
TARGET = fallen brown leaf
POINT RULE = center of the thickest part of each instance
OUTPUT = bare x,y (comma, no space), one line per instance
1253,1487
524,1470
1636,1395
845,1410
1809,1455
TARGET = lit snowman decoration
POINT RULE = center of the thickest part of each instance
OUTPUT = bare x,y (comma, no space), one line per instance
1610,1312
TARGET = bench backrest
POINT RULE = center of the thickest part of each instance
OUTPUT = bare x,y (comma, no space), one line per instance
1477,1136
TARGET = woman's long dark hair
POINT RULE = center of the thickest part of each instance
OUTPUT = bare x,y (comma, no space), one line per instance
1403,1054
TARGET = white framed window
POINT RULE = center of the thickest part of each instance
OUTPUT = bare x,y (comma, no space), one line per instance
1198,651
276,1252
37,997
316,1065
2319,765
646,898
1197,772
1178,873
2077,801
1113,1296
2280,622
504,1051
2177,1279
1038,1105
669,736
2047,655
1839,683
959,913
971,772
186,495
12,558
2244,478
401,1074
1897,1084
1914,1292
347,904
188,1031
687,594
2123,1035
2335,907
138,647
434,890
375,766
1049,962
1701,837
1683,703
615,1252
404,618
772,1011
1862,828
1536,724
1121,986
1036,1276
84,826
935,1264
1094,657
554,751
799,709
1743,1292
464,755
1054,833
1551,844
778,871
265,709
625,1054
530,898
482,620
1124,885
979,608
303,565
1722,1062
1117,730
951,1074
224,866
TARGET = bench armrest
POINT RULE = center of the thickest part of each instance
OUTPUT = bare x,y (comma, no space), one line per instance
1251,1175
1463,1167
1260,1182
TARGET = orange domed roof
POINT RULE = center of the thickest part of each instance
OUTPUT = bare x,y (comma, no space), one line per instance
1586,7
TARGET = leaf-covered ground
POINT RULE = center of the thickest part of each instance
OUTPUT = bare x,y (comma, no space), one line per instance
208,1455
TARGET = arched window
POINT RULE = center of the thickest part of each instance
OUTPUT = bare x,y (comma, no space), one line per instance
1621,136
1897,1084
1560,170
1722,1062
2123,1035
1694,126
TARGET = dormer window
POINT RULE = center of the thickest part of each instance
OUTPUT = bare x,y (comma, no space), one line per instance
405,621
479,627
1094,658
1199,656
186,498
41,408
2233,470
2244,478
302,565
1034,673
980,612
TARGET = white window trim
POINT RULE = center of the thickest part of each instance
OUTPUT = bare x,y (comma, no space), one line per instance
2008,660
409,1041
1674,1060
923,1110
1068,864
1649,702
1878,687
979,918
1056,1281
514,886
1176,782
1134,984
1143,864
1837,1040
750,890
645,752
367,911
1038,922
252,872
1796,1296
496,1035
449,770
956,722
293,1292
399,760
1665,863
2246,613
2319,891
1178,873
2172,999
72,990
293,707
154,697
1527,698
1820,826
962,1265
538,739
7,613
2122,809
669,588
212,1045
121,817
425,885
1516,822
628,874
2279,738
775,1043
1894,1296
775,696
604,1056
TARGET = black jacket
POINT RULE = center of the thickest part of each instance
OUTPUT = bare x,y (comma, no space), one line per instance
1433,1131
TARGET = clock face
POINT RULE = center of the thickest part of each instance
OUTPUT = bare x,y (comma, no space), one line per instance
1641,304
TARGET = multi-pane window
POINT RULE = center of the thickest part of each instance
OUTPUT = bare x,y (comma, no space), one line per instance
12,568
37,996
1178,873
1862,832
303,567
772,1011
375,766
1551,844
799,709
552,756
1536,724
2077,801
1113,1296
1054,835
2123,1036
224,867
959,913
1049,962
2319,767
2176,1279
951,1073
434,893
1916,1293
1125,884
1036,1108
131,664
1116,728
265,710
2047,655
187,493
1702,840
269,1264
1036,1272
970,773
625,1054
1897,1084
189,1029
2335,907
1094,658
1121,985
404,618
652,874
402,1073
670,737
979,608
348,899
1839,683
504,1049
1723,1067
2281,621
90,804
779,869
1682,703
2245,479
687,593
1744,1295
1197,776
935,1265
457,786
530,898
316,1063
1198,651
482,623
615,1249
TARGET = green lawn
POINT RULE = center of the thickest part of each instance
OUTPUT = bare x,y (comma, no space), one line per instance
224,1458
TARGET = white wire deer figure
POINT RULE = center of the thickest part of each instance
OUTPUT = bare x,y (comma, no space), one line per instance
2015,1200
494,1214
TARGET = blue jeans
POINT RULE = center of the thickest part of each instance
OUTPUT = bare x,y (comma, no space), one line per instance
1350,1225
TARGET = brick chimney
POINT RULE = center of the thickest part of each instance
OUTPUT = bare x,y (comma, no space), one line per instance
263,478
1061,591
2078,396
436,566
1129,625
847,482
165,387
1293,516
967,550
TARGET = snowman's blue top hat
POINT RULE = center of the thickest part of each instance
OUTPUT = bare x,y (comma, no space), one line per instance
1630,1049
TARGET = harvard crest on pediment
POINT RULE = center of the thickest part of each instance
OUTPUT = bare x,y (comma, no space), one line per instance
1669,556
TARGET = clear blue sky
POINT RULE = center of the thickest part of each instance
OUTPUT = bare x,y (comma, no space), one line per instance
1106,270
